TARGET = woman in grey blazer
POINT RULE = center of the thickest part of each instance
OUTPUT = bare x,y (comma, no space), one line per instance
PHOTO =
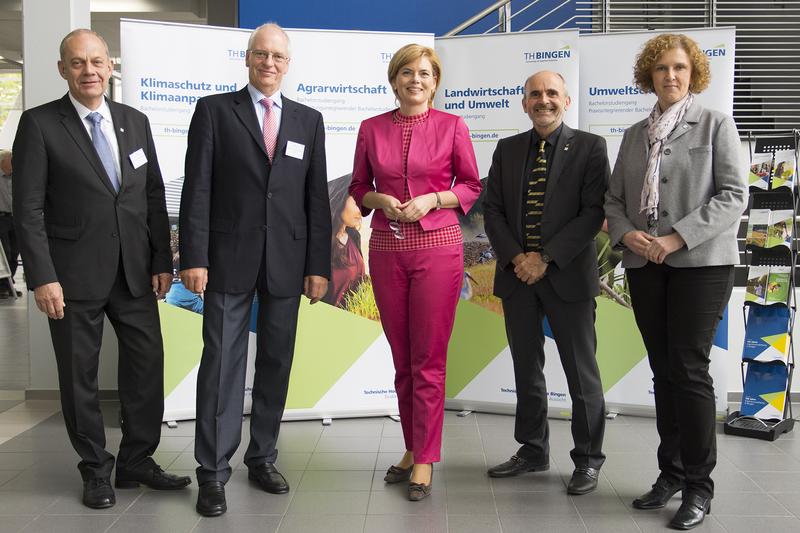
673,205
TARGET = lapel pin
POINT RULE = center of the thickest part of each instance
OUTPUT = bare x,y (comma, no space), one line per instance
566,147
122,130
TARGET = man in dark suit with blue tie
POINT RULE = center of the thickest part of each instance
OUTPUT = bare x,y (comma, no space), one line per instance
543,208
92,224
255,217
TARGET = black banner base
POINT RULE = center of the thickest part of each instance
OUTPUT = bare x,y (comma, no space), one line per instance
755,428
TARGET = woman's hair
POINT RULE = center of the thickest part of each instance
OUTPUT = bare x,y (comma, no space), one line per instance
339,193
656,47
412,52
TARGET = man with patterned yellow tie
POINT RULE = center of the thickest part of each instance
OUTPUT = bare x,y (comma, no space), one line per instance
255,218
543,207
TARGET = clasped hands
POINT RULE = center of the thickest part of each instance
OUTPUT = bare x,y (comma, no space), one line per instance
529,267
196,280
409,211
655,249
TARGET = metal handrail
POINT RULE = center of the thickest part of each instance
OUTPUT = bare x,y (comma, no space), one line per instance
504,6
520,11
475,18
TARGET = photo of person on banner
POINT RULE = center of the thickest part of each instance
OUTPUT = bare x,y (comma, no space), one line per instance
347,260
674,204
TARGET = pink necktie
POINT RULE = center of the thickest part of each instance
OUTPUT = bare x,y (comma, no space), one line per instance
270,128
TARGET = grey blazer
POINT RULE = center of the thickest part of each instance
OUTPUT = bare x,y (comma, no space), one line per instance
702,189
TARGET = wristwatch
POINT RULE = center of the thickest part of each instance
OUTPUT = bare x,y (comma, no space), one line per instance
545,258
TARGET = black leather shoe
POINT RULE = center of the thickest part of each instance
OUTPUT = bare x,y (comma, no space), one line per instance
98,494
155,478
211,499
268,477
517,465
395,474
691,513
658,496
584,480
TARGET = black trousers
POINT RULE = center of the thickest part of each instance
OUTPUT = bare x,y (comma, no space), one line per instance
221,379
8,239
572,324
678,311
76,340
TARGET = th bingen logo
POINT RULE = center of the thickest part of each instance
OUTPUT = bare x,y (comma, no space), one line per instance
539,56
235,55
717,51
385,57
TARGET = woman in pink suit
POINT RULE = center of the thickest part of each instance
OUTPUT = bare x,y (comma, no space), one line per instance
415,166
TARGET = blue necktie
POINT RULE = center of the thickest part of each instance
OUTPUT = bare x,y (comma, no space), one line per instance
103,149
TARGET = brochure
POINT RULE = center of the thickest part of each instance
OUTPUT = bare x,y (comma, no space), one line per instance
781,227
778,284
766,336
783,171
764,394
757,227
756,290
760,168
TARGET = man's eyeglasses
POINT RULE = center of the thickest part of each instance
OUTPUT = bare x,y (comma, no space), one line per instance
396,230
263,55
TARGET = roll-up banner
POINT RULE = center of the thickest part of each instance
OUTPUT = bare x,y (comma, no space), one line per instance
610,102
342,364
481,73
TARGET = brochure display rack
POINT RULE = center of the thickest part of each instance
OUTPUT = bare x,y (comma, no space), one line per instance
770,305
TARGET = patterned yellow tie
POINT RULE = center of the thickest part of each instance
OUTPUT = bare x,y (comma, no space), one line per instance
534,201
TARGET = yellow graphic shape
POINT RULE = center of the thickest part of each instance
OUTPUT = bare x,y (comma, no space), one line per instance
777,341
775,399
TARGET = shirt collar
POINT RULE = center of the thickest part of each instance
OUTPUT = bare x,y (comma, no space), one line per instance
84,111
257,96
551,139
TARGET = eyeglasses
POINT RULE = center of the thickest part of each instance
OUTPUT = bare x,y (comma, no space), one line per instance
397,230
263,55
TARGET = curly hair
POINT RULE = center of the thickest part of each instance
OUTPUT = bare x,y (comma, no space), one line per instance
656,47
412,52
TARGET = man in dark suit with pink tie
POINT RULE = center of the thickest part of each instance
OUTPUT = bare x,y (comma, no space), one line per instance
255,218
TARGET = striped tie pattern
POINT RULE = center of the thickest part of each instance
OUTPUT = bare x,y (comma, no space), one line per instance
270,128
534,201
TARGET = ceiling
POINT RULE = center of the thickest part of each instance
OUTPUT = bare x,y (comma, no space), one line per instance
105,21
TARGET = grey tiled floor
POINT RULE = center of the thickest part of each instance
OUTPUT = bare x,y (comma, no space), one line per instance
14,364
336,477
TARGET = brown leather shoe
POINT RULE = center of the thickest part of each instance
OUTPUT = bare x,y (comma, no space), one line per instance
420,491
395,474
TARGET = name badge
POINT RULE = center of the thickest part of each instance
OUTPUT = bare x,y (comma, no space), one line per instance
295,150
138,158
